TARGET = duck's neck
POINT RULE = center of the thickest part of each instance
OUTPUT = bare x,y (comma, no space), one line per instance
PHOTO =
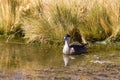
66,49
66,43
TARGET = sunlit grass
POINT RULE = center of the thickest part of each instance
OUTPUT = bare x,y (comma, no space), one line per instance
48,21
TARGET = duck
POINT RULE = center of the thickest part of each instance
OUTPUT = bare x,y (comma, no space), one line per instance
73,48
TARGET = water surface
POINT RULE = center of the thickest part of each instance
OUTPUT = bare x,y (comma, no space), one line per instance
20,61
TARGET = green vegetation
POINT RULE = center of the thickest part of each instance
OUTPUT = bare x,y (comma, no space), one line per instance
48,21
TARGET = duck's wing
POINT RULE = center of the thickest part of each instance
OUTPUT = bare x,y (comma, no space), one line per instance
75,43
77,48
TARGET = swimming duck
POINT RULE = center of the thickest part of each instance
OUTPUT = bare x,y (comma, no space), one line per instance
73,48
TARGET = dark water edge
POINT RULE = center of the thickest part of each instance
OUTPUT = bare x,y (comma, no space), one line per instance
46,62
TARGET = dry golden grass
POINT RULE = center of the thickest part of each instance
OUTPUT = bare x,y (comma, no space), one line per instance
49,20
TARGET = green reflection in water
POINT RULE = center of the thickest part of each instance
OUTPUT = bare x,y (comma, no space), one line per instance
19,55
22,56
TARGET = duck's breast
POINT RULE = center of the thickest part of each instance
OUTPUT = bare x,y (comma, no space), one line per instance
66,50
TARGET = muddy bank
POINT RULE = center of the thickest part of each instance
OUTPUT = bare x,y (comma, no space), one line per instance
109,72
106,72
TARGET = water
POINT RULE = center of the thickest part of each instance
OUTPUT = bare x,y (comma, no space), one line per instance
17,55
34,62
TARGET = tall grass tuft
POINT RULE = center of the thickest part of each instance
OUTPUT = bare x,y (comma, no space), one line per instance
37,25
10,24
68,16
10,17
46,21
97,24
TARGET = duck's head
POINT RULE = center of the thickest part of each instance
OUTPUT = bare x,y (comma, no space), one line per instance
67,37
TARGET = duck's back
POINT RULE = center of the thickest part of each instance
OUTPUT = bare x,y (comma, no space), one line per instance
77,48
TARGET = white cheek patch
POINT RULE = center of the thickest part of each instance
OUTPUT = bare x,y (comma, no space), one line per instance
64,38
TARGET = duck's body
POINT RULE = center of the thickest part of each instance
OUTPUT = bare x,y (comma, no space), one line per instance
74,48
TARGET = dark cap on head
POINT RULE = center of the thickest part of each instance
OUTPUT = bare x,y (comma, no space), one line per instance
67,35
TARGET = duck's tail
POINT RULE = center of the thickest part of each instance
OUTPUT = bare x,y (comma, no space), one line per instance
86,46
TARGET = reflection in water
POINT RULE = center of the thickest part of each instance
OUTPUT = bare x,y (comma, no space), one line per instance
18,61
67,58
10,56
25,56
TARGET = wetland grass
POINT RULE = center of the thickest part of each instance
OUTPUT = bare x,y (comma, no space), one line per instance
48,21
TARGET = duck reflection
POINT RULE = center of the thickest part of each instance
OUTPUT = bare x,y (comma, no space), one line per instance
67,58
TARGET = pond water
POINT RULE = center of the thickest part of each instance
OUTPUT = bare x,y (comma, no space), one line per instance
47,62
